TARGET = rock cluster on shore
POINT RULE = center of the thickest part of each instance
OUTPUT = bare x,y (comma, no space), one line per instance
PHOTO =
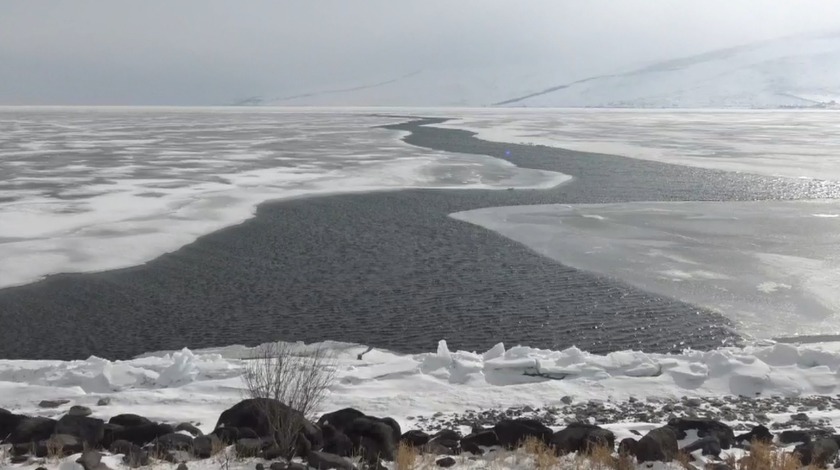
349,438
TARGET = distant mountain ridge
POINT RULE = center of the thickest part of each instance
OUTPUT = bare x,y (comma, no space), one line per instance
801,71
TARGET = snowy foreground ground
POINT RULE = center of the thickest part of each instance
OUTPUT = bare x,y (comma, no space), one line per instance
419,390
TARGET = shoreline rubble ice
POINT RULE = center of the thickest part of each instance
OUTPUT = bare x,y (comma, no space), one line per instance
197,385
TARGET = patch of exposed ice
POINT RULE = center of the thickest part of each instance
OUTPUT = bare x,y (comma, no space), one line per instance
769,266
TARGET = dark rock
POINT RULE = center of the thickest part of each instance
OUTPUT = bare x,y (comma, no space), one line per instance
485,438
709,445
471,448
129,420
274,452
705,427
182,466
451,446
445,462
31,430
89,430
396,432
340,419
513,432
282,466
8,423
818,452
414,438
758,433
336,442
78,410
795,435
440,448
140,435
25,448
15,459
256,413
374,437
260,466
228,436
247,433
203,446
581,437
799,417
52,403
249,447
175,456
133,455
104,401
717,466
446,435
188,428
325,461
91,460
302,446
627,446
173,441
659,444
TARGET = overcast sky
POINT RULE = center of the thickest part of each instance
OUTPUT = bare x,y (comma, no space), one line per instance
213,51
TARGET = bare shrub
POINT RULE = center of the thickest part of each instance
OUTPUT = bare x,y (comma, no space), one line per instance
296,377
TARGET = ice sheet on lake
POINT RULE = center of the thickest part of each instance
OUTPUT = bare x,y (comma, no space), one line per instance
777,143
773,267
87,189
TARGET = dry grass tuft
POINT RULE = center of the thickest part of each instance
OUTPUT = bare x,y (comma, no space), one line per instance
684,459
764,456
601,457
55,450
543,455
406,457
625,462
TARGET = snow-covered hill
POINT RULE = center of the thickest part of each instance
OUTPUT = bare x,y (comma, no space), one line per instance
801,71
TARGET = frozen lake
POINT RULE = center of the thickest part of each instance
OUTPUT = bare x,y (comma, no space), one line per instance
650,250
90,189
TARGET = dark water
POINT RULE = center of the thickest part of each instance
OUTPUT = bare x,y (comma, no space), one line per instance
387,269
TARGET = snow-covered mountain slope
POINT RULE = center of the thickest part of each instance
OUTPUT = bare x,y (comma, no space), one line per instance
800,71
426,87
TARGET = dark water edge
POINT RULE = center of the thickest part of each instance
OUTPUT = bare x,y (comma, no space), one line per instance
387,269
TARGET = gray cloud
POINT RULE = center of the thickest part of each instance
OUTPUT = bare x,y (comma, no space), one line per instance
213,51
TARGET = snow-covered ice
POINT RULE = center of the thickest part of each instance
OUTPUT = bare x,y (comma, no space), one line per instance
773,267
89,189
198,385
794,144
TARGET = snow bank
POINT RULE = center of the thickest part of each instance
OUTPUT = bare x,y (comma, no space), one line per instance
198,385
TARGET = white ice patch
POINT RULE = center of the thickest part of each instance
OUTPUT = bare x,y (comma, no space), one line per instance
131,184
769,266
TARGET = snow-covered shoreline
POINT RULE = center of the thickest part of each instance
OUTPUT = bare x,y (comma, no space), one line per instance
197,385
627,392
